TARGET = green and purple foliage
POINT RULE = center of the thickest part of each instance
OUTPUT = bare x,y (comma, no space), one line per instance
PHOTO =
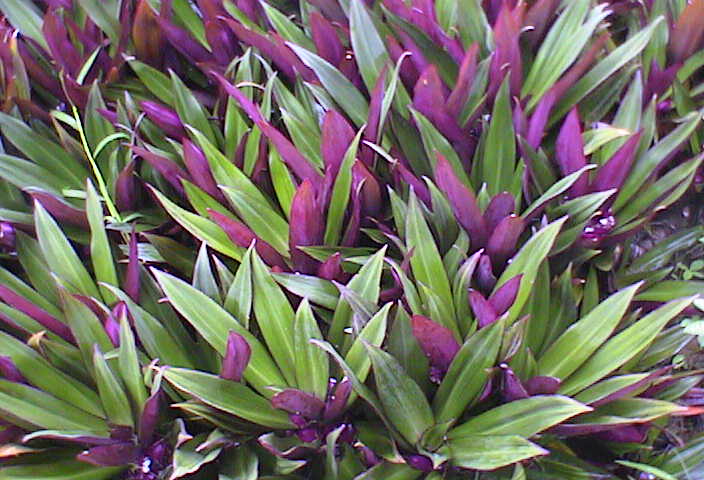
355,239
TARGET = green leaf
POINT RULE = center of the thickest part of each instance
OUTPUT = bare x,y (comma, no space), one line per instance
213,324
619,57
44,376
315,289
59,470
312,368
645,165
228,396
43,151
190,110
275,318
527,262
129,367
201,228
115,402
403,400
284,185
489,452
366,283
238,300
341,194
337,85
468,372
525,417
583,338
602,390
648,469
434,142
59,254
373,334
25,17
623,347
370,52
555,190
85,326
261,218
105,14
286,28
426,263
35,407
100,253
499,159
157,83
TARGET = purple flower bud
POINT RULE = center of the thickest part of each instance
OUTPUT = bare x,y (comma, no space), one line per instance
164,118
511,386
237,354
299,420
542,385
298,402
569,152
149,418
419,462
486,280
306,229
307,435
597,229
337,400
7,237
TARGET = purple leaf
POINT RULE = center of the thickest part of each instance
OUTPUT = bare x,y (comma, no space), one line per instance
457,99
463,202
403,176
62,50
419,462
171,172
115,455
687,34
298,402
9,370
354,222
660,80
418,60
502,243
197,165
337,401
569,152
613,173
179,38
364,181
146,34
59,209
507,53
28,308
500,206
542,385
408,71
132,284
538,17
536,125
626,434
335,139
511,386
483,311
437,342
237,354
164,118
149,418
243,237
503,298
126,188
325,38
289,153
111,324
222,41
306,227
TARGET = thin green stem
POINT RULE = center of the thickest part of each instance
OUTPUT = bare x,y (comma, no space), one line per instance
96,171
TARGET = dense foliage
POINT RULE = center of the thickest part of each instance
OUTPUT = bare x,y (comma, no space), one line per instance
355,239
